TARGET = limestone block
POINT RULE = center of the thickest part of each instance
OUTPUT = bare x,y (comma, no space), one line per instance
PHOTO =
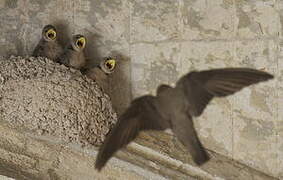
154,20
257,19
255,109
158,65
207,19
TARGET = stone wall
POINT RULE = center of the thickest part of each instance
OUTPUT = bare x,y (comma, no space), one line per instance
25,156
158,41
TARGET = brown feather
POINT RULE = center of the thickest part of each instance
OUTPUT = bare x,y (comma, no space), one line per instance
174,107
140,116
201,87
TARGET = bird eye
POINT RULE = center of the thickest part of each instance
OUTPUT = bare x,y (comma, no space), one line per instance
81,42
110,64
51,34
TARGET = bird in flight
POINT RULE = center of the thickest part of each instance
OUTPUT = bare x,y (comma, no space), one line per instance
175,108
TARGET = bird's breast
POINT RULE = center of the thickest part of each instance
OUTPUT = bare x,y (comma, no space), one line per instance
171,102
53,50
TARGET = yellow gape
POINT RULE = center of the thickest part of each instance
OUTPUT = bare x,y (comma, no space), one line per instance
81,42
110,64
51,34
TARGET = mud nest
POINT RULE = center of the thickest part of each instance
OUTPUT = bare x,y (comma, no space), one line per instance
47,98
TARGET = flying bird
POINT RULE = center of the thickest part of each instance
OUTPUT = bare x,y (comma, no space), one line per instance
100,73
48,45
175,108
73,55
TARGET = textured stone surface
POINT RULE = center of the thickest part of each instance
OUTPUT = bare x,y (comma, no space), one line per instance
203,19
160,41
219,167
279,124
154,20
257,18
42,157
158,65
5,178
45,158
255,114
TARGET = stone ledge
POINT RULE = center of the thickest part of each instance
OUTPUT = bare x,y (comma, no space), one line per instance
167,151
26,156
46,158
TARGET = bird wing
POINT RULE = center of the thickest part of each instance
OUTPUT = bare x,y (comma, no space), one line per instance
183,128
201,87
141,115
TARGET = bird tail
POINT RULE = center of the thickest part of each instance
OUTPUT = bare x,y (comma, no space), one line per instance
199,154
183,128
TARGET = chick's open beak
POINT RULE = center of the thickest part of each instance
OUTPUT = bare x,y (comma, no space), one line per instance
81,42
51,34
110,64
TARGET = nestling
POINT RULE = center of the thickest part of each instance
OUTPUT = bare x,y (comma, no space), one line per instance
100,73
48,45
73,55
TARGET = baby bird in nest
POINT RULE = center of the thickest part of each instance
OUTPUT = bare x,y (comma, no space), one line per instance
48,45
73,55
100,73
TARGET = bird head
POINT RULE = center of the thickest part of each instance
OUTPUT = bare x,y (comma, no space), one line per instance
162,88
108,65
78,42
49,33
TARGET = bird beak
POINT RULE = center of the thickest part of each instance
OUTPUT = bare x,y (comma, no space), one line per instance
81,42
110,64
51,34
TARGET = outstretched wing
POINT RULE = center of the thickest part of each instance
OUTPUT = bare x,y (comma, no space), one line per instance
201,87
141,115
